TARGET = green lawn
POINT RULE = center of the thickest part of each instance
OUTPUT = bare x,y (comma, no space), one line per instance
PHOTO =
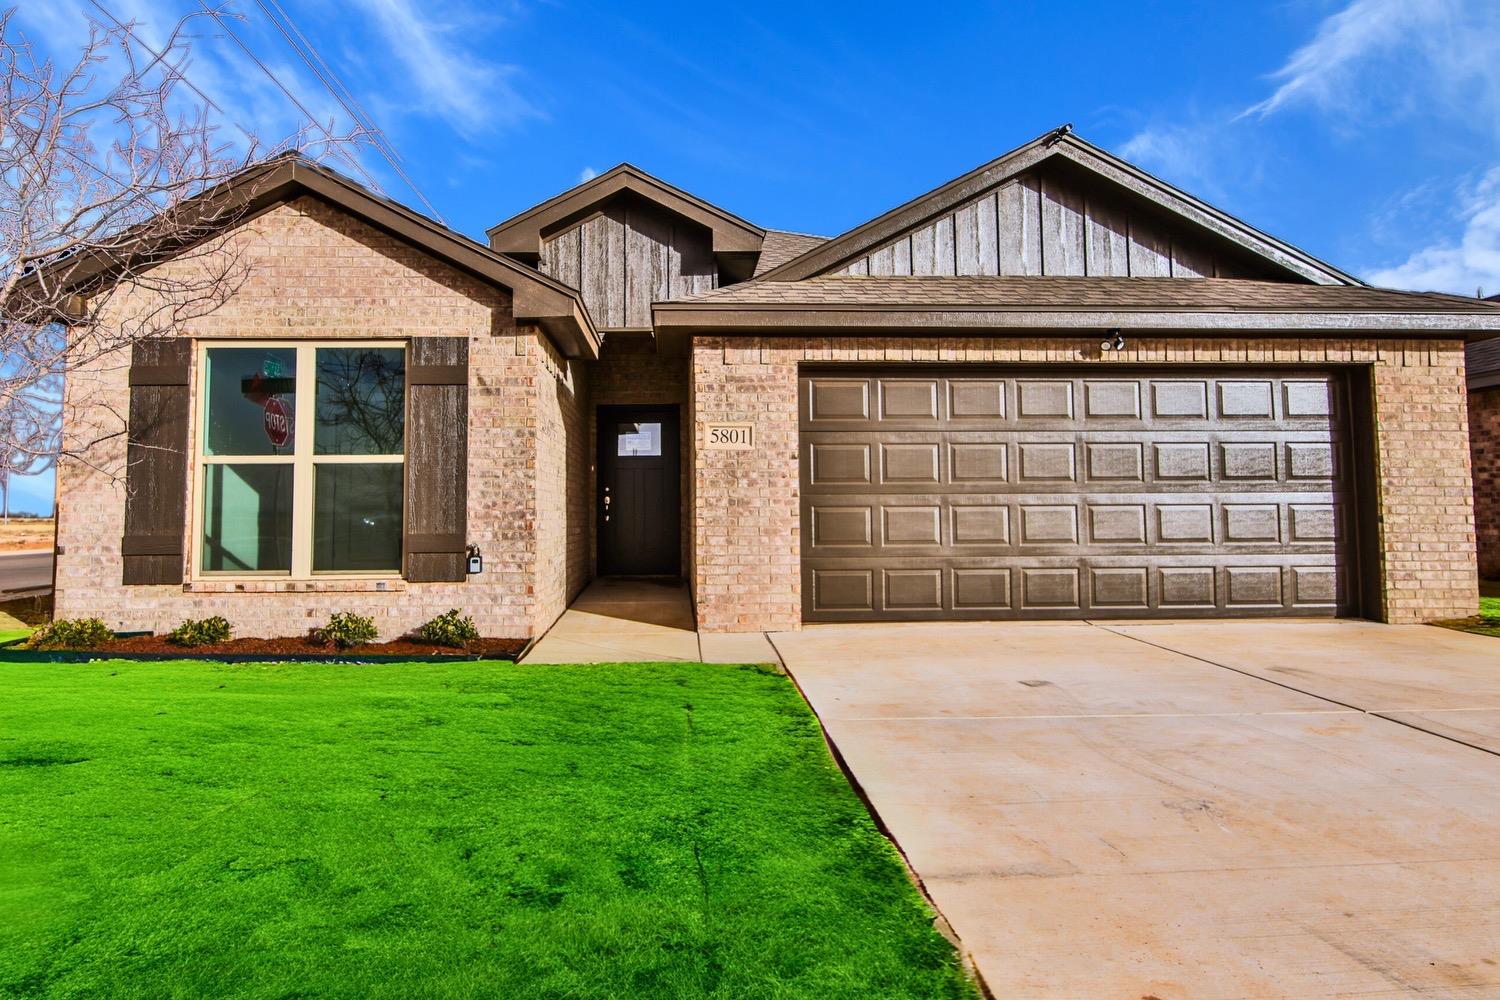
1487,622
465,830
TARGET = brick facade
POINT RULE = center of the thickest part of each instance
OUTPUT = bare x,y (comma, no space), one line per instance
746,513
1484,447
314,272
564,509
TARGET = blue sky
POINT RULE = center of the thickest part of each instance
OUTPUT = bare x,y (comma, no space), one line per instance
1366,132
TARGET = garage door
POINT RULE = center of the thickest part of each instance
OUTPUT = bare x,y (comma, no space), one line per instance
1028,494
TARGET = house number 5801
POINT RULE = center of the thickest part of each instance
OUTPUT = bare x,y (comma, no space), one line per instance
729,437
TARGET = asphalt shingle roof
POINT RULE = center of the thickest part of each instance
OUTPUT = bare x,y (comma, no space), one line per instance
1062,293
1483,362
781,246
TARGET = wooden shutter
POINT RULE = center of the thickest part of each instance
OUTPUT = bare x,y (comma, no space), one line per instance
156,461
437,458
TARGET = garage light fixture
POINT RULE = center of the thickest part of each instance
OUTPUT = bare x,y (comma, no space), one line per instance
1113,342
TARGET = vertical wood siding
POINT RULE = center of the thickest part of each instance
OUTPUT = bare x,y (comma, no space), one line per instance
1046,224
629,256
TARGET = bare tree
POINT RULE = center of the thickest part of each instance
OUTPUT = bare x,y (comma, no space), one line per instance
108,165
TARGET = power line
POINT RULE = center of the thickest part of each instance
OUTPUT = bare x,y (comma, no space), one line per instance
171,70
358,111
314,61
333,143
175,72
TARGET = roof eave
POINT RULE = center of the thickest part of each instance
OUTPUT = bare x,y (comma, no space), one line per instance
762,318
536,298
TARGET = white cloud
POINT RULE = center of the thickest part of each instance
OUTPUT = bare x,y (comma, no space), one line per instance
1376,62
587,174
457,83
1462,266
1180,154
407,61
1433,58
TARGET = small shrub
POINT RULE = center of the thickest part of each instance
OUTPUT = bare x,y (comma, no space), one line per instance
201,632
345,630
71,633
449,629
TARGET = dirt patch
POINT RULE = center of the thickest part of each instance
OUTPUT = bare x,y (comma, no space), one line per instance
24,534
304,646
30,610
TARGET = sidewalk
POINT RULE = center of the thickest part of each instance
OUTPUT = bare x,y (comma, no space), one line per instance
618,620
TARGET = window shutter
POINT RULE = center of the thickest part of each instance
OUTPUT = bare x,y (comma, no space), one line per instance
437,458
156,461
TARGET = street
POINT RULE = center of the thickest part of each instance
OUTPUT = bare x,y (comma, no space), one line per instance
23,571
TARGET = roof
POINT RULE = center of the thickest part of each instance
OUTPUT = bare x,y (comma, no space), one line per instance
1483,363
781,246
1059,143
849,301
523,234
1223,294
536,298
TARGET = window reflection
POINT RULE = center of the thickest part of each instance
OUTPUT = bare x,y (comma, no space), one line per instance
357,518
251,400
247,518
361,401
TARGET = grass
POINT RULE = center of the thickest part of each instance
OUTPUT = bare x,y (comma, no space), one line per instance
436,830
1487,622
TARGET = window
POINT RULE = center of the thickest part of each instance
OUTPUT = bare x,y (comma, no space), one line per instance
299,491
642,440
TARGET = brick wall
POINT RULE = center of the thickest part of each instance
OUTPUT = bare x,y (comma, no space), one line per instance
563,529
746,511
1484,447
316,273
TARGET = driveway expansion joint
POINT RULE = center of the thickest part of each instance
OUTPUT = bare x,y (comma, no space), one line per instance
1382,714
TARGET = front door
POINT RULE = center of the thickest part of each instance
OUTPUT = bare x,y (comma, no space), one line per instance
640,504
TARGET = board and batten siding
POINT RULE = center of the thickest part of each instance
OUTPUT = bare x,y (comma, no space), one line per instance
1045,225
628,256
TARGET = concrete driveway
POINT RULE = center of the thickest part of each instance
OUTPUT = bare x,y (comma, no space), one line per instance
1263,809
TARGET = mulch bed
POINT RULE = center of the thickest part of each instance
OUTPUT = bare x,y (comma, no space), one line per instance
305,646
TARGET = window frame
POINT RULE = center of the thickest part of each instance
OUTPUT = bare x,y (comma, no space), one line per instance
302,460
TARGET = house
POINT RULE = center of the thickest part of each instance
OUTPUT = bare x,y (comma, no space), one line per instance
1483,370
1055,387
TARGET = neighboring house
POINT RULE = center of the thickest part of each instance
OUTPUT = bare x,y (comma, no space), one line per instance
1484,447
1054,387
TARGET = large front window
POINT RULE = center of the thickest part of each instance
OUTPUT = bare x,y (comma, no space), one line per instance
299,490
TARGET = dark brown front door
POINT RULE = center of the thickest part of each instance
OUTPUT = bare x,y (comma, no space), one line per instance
640,503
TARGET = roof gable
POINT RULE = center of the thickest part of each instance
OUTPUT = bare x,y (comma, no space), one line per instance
1059,205
522,235
535,298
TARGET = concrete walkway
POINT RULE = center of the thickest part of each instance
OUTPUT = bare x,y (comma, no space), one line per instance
1208,810
628,620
